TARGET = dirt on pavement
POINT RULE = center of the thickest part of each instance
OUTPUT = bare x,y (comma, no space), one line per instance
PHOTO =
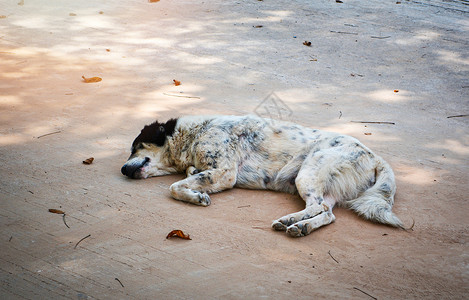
382,61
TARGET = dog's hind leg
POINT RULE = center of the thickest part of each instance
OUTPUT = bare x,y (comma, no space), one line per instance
326,177
318,211
313,183
195,189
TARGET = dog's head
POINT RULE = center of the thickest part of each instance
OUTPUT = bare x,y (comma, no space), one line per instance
147,157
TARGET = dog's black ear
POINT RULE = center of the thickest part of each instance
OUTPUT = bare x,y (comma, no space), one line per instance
156,133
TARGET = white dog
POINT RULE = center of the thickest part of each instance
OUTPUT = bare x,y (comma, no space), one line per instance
222,152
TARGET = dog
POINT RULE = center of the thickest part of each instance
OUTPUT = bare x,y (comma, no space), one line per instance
221,152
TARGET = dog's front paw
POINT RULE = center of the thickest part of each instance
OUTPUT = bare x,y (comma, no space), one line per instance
191,171
204,199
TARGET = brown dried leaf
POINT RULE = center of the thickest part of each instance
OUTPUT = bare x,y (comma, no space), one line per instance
56,211
367,133
396,91
176,82
307,43
88,161
92,79
178,233
153,1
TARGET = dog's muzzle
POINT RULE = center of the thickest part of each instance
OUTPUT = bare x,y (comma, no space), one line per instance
132,168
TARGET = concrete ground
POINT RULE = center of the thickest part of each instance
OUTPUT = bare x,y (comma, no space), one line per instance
385,61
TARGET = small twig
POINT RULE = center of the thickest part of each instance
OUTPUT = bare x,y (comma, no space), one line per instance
244,206
49,134
340,114
10,238
63,218
329,252
371,122
457,116
119,281
181,96
380,37
31,192
81,240
365,293
344,32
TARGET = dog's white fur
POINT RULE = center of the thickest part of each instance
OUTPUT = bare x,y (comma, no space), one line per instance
222,152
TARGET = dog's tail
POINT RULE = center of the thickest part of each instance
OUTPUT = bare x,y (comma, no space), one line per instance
376,202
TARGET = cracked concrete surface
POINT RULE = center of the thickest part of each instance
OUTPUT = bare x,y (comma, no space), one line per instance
405,63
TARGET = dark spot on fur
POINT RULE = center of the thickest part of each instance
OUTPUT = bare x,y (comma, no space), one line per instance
304,229
357,155
371,182
205,178
319,200
155,133
336,142
385,190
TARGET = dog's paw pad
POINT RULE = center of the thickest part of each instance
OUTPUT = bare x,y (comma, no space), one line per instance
279,226
204,199
191,171
295,231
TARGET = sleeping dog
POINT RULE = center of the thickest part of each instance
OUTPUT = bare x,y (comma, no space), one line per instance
221,152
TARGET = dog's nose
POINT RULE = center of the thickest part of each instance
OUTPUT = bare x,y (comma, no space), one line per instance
123,170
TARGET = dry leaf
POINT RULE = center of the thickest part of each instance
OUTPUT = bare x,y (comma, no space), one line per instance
396,91
56,211
108,50
101,12
72,14
258,26
2,17
367,133
88,161
176,82
152,1
91,80
179,234
306,43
